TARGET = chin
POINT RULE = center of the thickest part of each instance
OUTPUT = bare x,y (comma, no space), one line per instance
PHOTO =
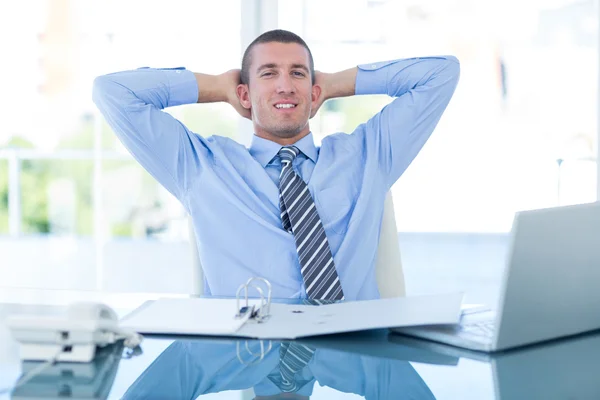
286,134
285,131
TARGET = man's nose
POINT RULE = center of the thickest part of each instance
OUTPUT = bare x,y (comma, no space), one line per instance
285,84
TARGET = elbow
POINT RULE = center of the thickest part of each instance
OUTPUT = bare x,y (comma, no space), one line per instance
102,88
453,67
453,60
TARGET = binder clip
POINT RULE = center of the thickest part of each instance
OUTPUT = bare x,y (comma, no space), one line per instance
260,355
260,313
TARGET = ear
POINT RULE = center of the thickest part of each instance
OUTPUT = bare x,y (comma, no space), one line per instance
243,95
316,95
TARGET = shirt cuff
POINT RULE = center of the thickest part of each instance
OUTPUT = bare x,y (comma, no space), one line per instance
183,87
372,78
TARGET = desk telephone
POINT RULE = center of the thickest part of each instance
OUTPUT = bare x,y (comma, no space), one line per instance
72,337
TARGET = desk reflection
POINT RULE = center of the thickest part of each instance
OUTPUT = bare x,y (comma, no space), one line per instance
188,369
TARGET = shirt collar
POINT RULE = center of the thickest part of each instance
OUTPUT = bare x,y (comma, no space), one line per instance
264,150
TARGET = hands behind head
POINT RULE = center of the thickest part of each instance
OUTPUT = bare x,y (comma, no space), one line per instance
320,79
231,80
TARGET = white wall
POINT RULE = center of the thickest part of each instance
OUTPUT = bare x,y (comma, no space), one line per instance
433,263
68,263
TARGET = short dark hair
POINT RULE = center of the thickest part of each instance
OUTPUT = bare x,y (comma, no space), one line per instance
279,36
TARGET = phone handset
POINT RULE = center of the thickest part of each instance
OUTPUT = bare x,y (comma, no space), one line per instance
73,336
108,322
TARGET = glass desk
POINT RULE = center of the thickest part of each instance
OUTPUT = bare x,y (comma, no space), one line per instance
371,365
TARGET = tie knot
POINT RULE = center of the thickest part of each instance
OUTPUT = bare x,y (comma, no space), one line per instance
288,153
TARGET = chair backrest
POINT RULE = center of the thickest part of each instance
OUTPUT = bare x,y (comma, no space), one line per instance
197,271
388,268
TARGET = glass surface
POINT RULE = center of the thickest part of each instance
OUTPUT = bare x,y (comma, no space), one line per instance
4,197
92,225
527,99
56,197
371,365
136,206
515,113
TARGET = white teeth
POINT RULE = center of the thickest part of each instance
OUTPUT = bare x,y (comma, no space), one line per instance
285,105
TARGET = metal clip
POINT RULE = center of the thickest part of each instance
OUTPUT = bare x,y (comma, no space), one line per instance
260,313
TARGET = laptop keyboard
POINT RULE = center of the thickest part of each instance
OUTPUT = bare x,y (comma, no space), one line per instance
479,328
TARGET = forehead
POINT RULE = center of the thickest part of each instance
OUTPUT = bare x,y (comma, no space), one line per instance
282,54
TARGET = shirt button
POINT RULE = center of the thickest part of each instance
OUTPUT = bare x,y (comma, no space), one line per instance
374,66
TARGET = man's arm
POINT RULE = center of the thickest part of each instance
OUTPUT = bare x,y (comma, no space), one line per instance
132,104
367,376
338,84
188,369
221,88
423,88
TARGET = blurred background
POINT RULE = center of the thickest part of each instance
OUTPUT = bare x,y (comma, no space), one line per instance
77,212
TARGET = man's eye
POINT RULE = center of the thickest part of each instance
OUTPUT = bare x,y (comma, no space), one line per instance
298,73
267,74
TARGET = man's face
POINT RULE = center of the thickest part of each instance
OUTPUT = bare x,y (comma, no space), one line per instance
280,90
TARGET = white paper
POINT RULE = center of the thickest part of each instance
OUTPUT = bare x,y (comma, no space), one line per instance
186,316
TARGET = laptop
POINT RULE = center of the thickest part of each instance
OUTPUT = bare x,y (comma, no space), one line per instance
550,289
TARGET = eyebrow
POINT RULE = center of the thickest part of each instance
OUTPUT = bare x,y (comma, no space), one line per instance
273,65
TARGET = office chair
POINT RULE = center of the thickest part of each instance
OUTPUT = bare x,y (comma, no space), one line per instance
388,268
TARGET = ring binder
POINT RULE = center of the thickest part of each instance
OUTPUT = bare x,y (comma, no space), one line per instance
258,318
260,314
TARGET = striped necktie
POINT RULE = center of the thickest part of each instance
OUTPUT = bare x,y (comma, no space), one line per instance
293,357
300,218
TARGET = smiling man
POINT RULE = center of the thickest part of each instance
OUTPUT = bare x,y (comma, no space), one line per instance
306,218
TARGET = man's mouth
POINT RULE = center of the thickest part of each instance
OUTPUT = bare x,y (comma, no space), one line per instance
283,106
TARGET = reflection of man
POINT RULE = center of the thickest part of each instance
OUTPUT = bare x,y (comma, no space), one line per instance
305,218
188,369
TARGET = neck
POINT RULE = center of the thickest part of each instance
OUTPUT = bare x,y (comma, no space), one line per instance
282,141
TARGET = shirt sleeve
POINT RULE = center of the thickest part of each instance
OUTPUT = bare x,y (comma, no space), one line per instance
132,103
422,88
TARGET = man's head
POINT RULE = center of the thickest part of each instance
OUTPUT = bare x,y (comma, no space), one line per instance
278,85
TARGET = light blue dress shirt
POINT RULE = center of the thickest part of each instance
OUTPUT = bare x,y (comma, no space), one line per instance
231,192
